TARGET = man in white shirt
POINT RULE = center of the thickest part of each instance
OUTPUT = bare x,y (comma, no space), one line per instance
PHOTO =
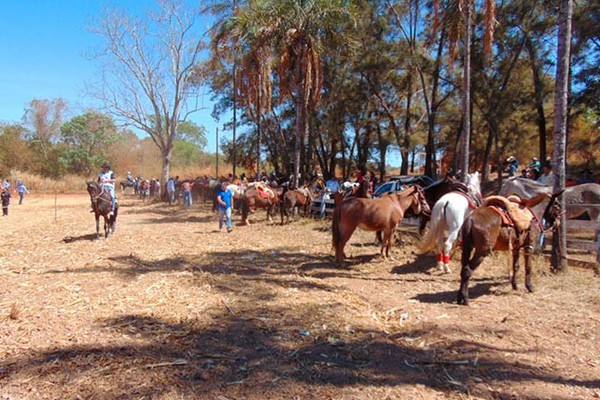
546,178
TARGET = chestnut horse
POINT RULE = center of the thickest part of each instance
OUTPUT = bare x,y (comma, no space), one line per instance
296,198
253,199
483,231
101,204
381,214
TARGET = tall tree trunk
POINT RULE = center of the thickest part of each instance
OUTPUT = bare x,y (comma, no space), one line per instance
430,157
166,166
466,90
405,145
538,87
300,132
559,240
492,133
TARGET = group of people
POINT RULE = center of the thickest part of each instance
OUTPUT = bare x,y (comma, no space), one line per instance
542,173
6,194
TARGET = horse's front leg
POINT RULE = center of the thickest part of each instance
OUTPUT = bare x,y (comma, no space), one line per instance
97,226
105,227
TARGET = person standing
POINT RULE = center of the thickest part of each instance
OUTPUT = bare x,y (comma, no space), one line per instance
6,184
107,179
171,191
186,193
21,189
5,201
224,200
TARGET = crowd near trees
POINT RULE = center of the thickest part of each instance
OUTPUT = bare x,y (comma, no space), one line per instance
327,84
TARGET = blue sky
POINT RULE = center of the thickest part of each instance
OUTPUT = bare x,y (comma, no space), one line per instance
44,45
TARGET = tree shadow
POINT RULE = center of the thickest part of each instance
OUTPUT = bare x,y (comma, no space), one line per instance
258,353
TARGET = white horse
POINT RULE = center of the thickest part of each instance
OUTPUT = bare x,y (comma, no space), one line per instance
447,217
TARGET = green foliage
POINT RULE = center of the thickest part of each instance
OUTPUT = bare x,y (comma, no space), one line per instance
85,138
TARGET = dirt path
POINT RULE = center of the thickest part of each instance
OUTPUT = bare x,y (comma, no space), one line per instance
172,308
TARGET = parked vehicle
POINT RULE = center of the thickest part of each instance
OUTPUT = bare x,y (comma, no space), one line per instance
399,183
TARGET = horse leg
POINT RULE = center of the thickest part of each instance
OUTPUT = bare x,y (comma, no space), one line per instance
387,239
515,266
466,272
344,232
448,244
97,226
106,227
528,250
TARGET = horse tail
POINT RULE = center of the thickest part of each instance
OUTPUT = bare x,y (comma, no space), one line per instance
437,226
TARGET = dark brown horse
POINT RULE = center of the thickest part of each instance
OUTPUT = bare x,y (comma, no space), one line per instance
301,198
381,214
433,193
254,197
101,204
485,230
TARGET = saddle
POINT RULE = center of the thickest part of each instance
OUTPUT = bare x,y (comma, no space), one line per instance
473,199
513,210
305,192
264,191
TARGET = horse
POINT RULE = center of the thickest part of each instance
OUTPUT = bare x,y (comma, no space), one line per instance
486,229
101,202
125,184
302,197
256,196
381,214
576,197
447,217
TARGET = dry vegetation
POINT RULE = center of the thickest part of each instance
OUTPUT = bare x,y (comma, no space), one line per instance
172,308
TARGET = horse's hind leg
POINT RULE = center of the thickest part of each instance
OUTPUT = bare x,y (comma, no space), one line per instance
515,267
97,226
345,232
528,249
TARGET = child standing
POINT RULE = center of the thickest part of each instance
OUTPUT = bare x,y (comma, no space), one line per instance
5,201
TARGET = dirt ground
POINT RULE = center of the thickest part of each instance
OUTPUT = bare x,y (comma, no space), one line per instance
172,308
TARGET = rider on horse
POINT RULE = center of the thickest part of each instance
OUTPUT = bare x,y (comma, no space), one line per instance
107,179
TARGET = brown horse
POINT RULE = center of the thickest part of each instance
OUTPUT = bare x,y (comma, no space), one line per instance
485,230
101,204
296,198
254,198
381,214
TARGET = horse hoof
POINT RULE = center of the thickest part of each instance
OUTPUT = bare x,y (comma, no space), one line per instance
446,269
529,288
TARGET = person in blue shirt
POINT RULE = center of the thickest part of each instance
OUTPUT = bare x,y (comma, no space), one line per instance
331,186
6,184
21,189
171,190
224,201
513,166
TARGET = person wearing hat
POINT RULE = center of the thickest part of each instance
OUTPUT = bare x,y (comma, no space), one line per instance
513,165
224,201
107,179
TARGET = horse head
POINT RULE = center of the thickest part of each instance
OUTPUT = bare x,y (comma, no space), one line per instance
553,210
93,188
473,182
419,204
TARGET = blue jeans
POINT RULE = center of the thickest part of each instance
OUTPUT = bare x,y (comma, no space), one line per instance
227,213
111,190
324,197
187,198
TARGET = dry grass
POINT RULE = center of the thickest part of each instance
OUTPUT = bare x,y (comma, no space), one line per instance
171,308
